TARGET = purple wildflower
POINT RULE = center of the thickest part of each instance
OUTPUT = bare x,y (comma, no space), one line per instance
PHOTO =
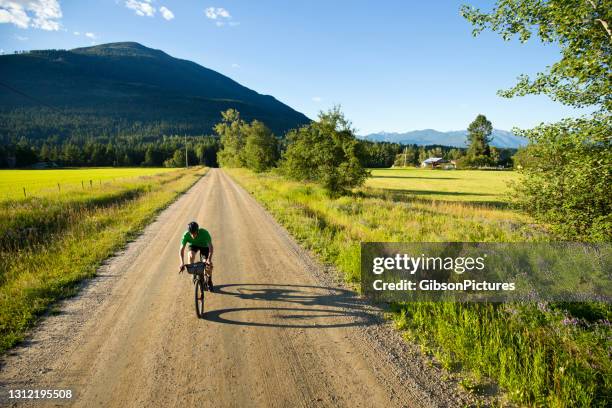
570,321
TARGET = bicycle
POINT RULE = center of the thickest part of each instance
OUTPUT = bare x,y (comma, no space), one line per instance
201,282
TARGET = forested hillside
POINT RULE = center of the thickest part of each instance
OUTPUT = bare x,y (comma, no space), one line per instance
122,89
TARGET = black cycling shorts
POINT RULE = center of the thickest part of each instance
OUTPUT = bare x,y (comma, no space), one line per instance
204,251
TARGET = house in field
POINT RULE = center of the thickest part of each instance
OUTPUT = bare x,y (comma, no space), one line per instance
433,162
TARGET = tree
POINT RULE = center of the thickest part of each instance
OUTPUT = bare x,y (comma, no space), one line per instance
523,158
111,154
455,154
177,159
153,157
406,158
569,173
325,152
436,152
582,30
231,132
206,152
71,155
261,147
45,153
25,155
378,154
98,155
479,137
422,155
570,161
494,155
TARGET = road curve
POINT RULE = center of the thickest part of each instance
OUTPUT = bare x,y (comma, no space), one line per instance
274,336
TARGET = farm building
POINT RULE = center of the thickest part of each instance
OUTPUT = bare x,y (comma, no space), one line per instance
433,162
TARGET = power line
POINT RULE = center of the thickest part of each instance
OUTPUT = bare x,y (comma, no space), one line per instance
18,92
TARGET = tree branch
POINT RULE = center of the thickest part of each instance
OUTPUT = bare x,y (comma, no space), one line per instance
604,23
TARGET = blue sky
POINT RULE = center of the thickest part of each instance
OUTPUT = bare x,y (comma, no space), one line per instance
392,65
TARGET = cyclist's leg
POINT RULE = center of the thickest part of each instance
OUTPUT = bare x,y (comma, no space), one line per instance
192,254
204,254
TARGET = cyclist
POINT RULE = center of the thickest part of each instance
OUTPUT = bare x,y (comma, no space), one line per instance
199,240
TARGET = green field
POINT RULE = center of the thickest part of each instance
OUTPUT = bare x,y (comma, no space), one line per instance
44,182
547,354
447,185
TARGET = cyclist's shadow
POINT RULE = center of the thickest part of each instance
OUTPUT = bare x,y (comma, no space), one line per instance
341,307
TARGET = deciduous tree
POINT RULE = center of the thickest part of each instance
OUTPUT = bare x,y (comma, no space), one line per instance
261,147
325,152
232,135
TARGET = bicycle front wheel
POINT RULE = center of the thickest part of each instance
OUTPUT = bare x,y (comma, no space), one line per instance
199,298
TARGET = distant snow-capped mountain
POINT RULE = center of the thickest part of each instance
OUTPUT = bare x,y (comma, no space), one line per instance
455,138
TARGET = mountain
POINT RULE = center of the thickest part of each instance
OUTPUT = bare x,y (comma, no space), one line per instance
123,88
455,138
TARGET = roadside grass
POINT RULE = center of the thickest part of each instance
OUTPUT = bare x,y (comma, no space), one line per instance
39,183
541,354
45,265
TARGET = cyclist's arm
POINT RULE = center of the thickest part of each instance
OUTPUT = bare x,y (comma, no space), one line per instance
210,252
182,256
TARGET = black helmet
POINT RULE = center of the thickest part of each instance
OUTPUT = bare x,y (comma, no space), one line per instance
193,227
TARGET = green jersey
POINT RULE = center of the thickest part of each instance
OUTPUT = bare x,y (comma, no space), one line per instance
202,240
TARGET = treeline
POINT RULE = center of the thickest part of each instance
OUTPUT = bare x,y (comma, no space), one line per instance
166,151
478,154
413,155
387,154
103,141
39,123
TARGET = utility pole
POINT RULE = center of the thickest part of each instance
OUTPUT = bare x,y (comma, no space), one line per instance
186,153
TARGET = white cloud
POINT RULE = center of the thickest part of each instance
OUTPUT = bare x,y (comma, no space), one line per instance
317,99
91,36
20,38
43,14
141,8
215,13
1,51
236,66
220,16
166,13
76,33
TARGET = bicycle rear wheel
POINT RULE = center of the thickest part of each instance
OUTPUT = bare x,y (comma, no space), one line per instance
199,297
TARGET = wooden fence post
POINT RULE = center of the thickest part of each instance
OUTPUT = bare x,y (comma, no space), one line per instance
59,190
82,185
24,193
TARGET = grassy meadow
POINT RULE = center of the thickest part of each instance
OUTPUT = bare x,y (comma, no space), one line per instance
42,183
539,354
449,185
49,243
